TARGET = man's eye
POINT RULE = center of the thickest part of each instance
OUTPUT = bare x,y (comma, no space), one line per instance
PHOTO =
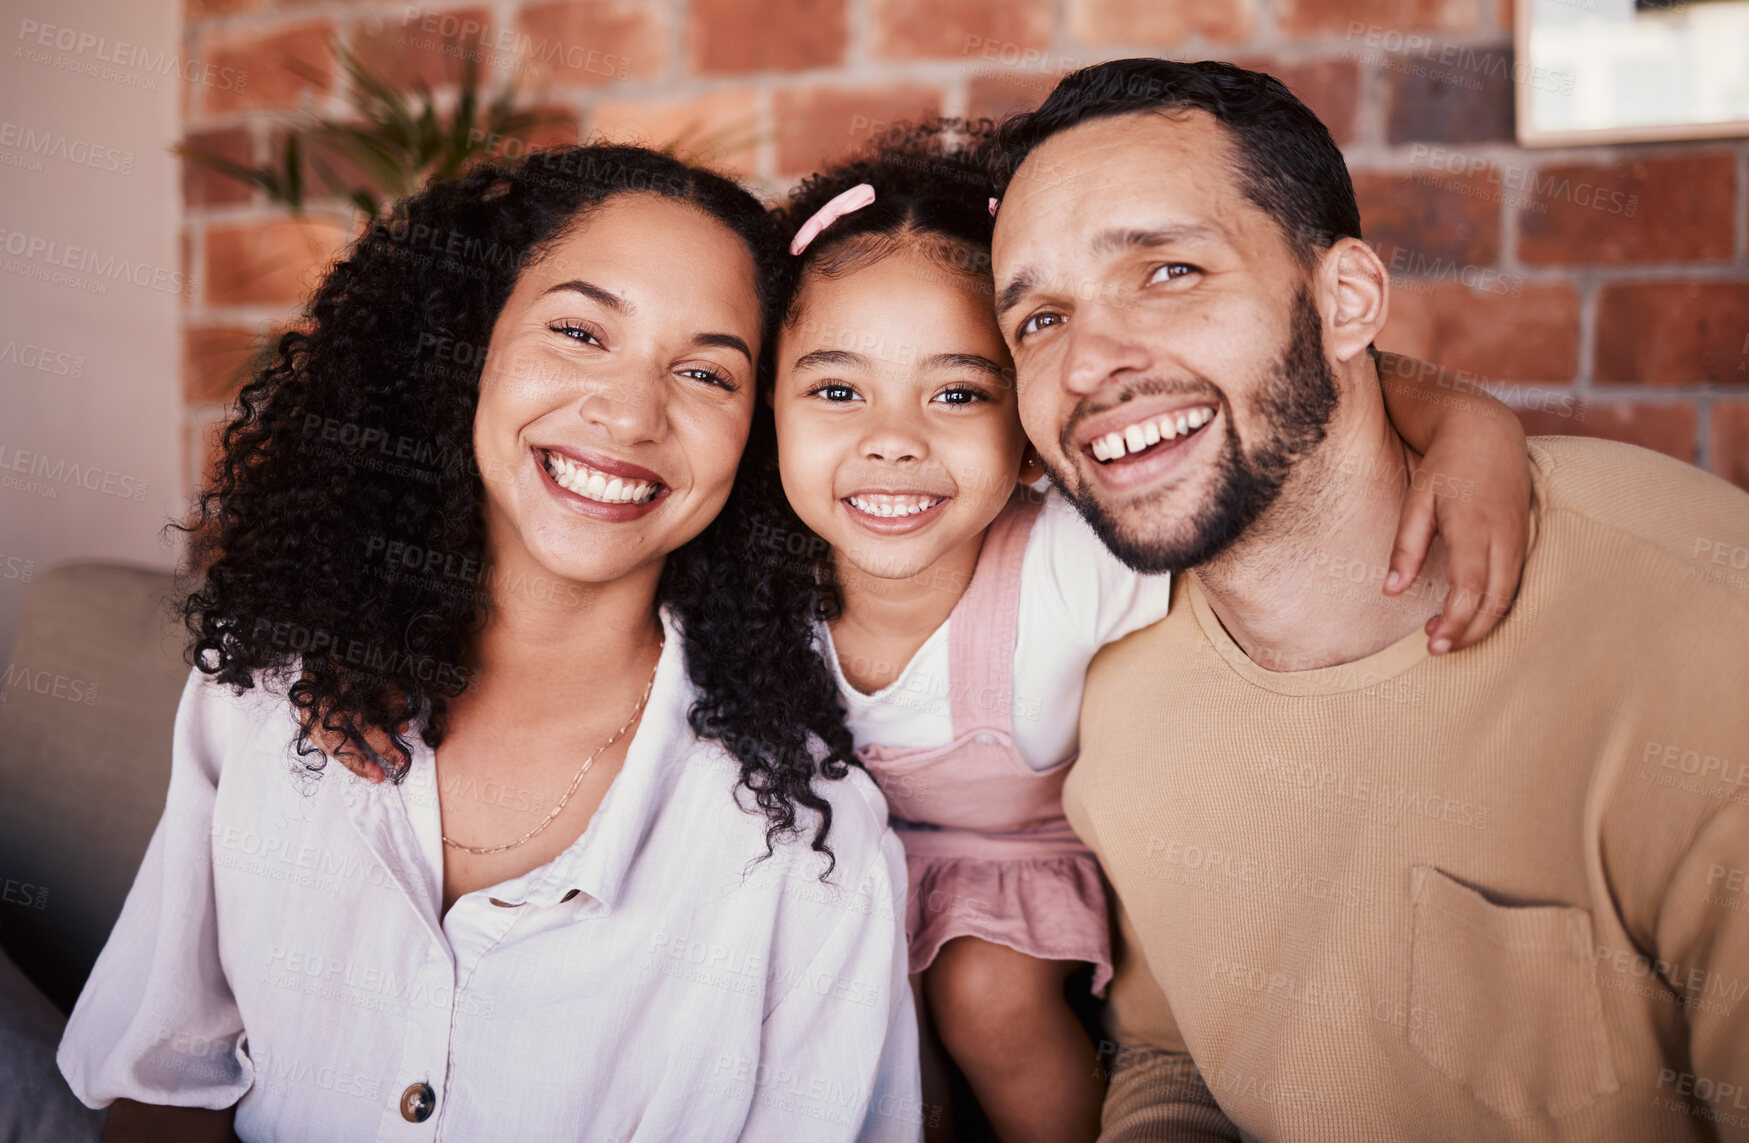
1170,271
1039,321
576,333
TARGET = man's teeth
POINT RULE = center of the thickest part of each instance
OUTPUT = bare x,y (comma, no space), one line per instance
1146,434
586,482
880,504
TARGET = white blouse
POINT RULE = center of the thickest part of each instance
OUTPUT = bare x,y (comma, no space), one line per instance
282,950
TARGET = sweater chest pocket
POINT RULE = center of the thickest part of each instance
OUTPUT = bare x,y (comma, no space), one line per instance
1516,1014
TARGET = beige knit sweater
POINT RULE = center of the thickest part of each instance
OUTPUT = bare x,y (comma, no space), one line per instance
1502,894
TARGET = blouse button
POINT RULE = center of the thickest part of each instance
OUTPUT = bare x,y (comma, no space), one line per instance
418,1102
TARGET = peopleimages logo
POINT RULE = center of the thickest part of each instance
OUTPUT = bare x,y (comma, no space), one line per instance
34,35
53,474
47,252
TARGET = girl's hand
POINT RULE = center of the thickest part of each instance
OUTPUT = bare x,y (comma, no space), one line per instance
1472,487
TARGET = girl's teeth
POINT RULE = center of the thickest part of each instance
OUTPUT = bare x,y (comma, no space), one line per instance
882,506
1136,438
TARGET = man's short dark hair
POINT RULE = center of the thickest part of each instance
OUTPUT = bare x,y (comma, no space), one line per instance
1288,165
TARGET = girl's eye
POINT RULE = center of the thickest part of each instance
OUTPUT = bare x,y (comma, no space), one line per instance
834,391
576,333
710,377
1037,322
959,395
1170,271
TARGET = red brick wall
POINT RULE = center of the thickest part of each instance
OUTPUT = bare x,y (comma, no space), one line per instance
1604,290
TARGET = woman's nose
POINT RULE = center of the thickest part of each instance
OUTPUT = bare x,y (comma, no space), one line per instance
630,410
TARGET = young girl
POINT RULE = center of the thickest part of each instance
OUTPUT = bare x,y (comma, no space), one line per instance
962,605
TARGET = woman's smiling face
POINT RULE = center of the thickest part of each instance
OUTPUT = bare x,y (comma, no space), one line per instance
618,391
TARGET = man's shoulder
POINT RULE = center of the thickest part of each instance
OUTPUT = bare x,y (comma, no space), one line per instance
1671,505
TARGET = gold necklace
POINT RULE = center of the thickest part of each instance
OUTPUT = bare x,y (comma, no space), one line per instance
581,770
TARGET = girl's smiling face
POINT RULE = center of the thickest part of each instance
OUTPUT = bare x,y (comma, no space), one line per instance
898,434
618,391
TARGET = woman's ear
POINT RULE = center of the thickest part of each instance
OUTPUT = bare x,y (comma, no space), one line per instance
1032,466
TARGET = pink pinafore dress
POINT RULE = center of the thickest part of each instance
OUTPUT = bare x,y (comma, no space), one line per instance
988,850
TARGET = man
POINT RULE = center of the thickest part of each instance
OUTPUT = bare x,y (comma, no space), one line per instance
1366,892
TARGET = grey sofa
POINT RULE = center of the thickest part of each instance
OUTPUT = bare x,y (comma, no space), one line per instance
86,709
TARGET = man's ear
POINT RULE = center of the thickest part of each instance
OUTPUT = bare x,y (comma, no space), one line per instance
1356,290
1032,466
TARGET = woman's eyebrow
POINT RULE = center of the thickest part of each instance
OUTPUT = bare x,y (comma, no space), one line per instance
724,341
594,293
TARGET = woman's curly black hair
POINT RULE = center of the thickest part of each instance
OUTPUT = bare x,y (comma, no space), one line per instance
350,459
932,181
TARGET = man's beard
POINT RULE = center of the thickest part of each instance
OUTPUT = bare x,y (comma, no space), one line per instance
1295,405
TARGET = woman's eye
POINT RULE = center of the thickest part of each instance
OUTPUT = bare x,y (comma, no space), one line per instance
1037,322
709,377
959,396
1170,271
834,392
576,333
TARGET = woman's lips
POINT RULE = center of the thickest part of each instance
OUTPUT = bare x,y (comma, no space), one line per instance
588,490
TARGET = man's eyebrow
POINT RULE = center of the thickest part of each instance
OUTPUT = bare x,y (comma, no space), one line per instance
725,341
1017,288
1116,241
594,293
1105,244
829,358
966,361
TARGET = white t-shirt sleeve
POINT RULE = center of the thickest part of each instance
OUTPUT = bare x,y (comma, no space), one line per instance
1075,597
157,1021
1100,597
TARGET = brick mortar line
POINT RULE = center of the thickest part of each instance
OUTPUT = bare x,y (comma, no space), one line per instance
1742,211
1588,289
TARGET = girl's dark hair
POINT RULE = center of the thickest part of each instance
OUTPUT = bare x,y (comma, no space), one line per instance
1288,165
342,533
932,182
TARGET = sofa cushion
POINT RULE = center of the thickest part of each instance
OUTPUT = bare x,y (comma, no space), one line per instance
89,699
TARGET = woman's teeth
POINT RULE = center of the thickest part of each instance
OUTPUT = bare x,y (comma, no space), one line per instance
876,504
1146,434
592,485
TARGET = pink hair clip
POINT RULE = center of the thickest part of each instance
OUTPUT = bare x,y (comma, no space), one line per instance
992,208
855,198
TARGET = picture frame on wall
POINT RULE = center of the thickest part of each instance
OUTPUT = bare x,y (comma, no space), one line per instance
1617,71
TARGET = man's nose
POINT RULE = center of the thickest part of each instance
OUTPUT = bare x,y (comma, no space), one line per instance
1102,349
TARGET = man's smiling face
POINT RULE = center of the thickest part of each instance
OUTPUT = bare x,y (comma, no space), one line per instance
1169,351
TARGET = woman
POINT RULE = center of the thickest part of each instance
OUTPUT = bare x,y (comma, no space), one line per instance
479,518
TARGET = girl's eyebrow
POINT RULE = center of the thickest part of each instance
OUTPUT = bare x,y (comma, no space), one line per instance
966,361
831,358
